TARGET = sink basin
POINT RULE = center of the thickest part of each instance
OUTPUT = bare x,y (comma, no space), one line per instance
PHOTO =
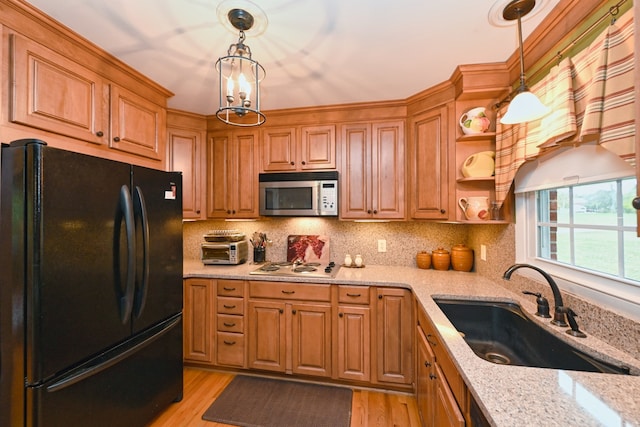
501,333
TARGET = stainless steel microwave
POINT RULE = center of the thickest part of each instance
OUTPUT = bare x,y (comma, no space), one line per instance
299,194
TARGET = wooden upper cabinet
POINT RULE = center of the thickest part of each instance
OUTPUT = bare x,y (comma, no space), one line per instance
232,175
372,184
186,154
298,149
56,94
428,164
138,126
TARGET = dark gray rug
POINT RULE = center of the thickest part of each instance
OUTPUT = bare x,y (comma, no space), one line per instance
263,402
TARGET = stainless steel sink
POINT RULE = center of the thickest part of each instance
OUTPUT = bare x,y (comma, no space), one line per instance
501,333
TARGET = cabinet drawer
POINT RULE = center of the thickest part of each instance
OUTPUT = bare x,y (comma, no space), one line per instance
353,294
227,305
230,349
230,323
230,288
287,290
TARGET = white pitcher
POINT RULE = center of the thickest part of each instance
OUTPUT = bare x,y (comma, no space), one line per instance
475,208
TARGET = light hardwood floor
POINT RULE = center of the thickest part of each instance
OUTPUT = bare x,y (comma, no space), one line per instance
369,408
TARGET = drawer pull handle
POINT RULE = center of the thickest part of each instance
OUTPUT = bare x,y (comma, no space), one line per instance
354,295
229,289
229,342
229,306
433,343
288,292
229,325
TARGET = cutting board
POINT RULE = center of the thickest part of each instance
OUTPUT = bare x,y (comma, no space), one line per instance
309,247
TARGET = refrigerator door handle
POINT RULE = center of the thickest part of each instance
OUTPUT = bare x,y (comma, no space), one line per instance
126,212
140,209
113,357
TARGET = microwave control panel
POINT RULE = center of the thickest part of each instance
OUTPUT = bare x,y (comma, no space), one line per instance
329,198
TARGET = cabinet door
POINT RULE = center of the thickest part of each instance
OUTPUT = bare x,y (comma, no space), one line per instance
244,176
197,320
372,171
138,126
267,335
446,411
394,333
354,343
425,380
355,181
311,339
429,159
186,155
279,149
232,175
388,171
53,93
317,147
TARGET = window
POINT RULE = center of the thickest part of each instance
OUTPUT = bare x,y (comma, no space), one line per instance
581,229
590,226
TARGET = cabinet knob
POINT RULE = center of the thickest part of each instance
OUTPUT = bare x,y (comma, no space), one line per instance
228,211
100,133
375,211
293,163
233,211
116,139
427,364
368,211
304,163
379,296
433,343
636,203
340,314
281,310
293,311
432,376
198,211
443,211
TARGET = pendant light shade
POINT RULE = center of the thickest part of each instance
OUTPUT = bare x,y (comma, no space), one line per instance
239,77
525,106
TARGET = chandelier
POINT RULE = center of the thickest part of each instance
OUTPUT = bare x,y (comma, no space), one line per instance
239,78
525,107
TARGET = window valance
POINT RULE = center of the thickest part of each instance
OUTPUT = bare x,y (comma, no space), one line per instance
592,99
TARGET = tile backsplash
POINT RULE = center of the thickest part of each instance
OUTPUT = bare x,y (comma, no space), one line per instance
403,239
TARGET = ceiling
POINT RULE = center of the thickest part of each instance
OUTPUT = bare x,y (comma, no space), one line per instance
315,52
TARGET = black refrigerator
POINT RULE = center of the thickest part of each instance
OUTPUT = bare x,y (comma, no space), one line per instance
90,289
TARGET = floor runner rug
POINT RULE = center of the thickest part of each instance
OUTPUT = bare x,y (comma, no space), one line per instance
263,402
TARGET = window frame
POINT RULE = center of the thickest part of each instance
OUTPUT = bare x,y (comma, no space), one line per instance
618,294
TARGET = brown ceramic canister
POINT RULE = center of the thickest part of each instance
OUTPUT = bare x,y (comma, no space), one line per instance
441,259
423,259
461,258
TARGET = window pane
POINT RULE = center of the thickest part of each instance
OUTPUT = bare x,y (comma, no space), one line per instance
595,203
597,250
632,256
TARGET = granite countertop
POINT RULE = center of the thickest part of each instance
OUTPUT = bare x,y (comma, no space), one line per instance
508,395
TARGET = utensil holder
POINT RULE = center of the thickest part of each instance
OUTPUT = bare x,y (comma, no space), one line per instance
259,254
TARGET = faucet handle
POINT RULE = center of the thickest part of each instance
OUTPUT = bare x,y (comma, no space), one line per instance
543,304
571,318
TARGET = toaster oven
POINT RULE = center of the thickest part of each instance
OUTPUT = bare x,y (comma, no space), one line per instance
230,253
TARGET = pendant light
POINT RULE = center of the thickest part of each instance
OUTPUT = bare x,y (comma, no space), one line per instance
525,107
239,78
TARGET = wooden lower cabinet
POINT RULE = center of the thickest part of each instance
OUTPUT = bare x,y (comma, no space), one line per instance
290,337
230,347
197,320
354,343
425,376
394,336
445,407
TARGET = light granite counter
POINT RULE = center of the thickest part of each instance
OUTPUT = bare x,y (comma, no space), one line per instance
508,395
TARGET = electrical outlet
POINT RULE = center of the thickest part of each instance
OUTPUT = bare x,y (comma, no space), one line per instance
382,245
483,252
